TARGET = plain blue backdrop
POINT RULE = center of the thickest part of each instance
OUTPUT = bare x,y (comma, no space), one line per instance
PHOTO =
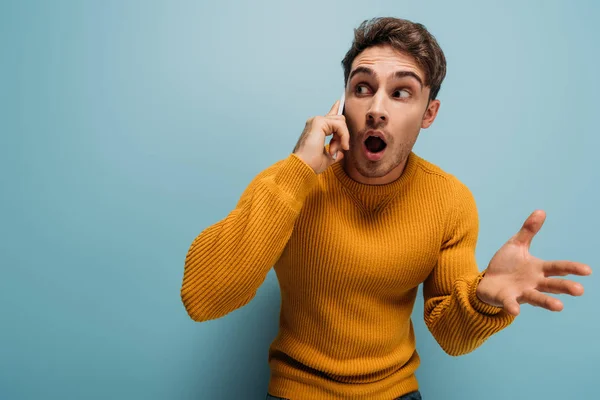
127,127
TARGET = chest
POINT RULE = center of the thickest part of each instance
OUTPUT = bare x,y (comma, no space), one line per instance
386,253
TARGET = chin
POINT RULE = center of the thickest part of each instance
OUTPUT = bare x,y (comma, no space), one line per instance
372,169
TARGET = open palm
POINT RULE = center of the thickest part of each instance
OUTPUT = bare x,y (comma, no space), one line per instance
514,276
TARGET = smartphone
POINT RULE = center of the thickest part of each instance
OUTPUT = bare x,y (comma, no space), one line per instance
341,111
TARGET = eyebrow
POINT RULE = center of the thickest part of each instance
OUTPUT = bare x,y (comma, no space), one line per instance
397,74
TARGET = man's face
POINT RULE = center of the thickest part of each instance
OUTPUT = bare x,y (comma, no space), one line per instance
385,96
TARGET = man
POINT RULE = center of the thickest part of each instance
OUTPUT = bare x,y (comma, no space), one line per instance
353,228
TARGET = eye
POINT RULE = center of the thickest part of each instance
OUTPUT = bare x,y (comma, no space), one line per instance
402,94
361,89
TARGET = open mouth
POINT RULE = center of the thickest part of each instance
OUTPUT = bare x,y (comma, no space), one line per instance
375,144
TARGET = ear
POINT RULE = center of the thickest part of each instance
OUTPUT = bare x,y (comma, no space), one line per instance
430,113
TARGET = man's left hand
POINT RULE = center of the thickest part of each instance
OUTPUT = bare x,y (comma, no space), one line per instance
514,276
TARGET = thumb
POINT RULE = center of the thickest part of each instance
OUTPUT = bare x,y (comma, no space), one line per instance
530,228
512,307
334,109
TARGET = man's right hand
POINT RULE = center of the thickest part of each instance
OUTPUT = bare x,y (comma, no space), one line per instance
311,145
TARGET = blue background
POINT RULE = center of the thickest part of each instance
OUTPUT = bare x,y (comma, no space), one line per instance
129,127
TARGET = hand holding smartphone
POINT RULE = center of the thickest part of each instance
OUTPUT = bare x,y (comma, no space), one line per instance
309,147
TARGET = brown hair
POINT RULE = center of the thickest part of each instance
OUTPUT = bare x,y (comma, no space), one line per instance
406,36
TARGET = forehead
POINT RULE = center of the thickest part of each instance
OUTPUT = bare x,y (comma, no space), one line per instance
385,60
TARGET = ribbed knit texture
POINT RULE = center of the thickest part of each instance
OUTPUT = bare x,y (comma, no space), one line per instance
349,258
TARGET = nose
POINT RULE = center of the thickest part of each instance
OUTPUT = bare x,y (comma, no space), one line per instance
377,114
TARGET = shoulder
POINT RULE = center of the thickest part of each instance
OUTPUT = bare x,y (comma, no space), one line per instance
453,188
461,216
454,197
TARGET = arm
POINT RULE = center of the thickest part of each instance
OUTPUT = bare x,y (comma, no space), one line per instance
458,320
228,261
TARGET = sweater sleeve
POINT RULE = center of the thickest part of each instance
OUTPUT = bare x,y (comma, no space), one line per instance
455,316
228,261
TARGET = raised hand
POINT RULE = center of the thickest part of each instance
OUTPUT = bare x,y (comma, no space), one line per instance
515,277
311,144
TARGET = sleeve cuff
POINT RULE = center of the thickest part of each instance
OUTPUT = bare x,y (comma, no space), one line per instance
479,305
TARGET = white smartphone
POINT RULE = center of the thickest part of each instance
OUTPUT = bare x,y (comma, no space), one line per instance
342,101
340,112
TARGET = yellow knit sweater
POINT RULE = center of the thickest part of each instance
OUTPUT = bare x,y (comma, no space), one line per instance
349,258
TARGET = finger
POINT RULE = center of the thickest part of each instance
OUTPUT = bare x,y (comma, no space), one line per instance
559,286
340,130
562,268
512,307
539,299
338,156
332,155
333,149
530,228
334,146
334,108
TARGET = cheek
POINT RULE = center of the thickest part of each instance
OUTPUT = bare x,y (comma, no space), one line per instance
404,128
353,127
406,121
355,116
